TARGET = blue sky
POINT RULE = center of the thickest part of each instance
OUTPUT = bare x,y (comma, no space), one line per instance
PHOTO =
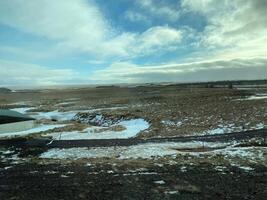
47,42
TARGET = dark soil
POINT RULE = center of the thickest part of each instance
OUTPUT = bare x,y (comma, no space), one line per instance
77,181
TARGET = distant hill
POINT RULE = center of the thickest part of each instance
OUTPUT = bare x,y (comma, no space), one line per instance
2,90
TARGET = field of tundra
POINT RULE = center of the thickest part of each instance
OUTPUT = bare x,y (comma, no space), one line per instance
138,142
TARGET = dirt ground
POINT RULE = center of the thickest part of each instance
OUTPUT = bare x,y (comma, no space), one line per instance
172,111
196,109
182,177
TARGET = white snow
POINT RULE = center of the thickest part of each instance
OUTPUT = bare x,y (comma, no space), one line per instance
183,169
5,152
246,168
133,127
148,150
68,115
252,153
230,128
8,167
172,123
30,131
20,103
76,153
221,130
55,115
64,103
22,110
161,182
154,150
171,192
140,173
109,108
254,97
220,168
50,172
259,126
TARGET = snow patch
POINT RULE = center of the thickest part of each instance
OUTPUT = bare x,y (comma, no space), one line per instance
55,115
220,168
161,182
22,110
246,168
171,192
230,128
30,131
76,153
25,103
171,123
68,115
254,97
147,151
132,128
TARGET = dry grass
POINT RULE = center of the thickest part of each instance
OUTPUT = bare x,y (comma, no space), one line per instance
199,109
116,128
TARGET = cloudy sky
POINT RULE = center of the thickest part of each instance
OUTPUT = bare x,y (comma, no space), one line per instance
48,42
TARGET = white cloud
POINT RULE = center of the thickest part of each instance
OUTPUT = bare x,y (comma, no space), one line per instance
15,73
76,23
160,9
79,26
135,16
157,39
235,35
203,6
234,27
152,40
123,72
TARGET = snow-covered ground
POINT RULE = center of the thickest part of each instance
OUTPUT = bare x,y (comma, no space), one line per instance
148,150
58,115
172,123
230,128
254,97
22,110
241,157
132,128
65,103
55,115
20,103
31,131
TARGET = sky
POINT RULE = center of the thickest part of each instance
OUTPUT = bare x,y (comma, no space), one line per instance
48,42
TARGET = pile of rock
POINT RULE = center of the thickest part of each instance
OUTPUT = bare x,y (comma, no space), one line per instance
98,119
